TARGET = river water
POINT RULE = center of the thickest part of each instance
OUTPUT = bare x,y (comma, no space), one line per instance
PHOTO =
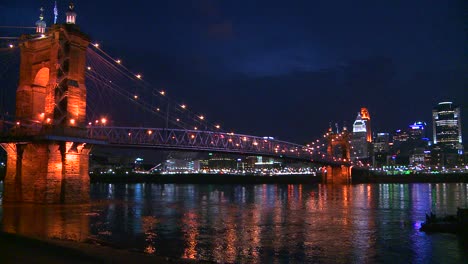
365,223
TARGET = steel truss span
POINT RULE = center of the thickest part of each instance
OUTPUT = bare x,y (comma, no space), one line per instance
197,140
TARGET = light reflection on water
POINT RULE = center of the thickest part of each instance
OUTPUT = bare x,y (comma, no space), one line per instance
364,223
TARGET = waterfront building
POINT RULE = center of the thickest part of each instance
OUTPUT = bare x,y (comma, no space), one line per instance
381,147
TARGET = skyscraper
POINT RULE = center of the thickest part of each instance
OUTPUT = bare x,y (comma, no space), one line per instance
359,142
366,117
446,122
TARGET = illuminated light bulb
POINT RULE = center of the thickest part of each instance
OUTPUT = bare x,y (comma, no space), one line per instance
129,134
11,46
195,128
89,68
218,126
157,109
150,132
201,117
48,120
72,121
97,121
41,115
183,106
162,92
18,123
135,96
138,76
90,123
103,121
177,119
42,36
192,136
118,61
96,45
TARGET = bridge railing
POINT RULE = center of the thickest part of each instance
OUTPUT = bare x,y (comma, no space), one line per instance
198,140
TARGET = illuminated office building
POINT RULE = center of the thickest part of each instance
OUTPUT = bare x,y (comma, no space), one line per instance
359,143
446,122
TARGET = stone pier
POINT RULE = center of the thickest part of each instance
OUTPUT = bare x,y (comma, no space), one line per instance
46,172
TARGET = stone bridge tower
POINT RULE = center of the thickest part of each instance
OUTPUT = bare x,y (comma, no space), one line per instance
47,150
338,144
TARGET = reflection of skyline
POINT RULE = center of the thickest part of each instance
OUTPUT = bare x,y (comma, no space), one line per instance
250,223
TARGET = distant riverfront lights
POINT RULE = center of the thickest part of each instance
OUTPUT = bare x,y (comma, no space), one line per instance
218,126
11,46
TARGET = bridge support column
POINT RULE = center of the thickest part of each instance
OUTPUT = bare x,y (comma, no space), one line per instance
46,172
338,174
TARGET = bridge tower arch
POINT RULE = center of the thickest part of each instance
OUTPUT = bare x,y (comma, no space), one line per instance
47,153
339,147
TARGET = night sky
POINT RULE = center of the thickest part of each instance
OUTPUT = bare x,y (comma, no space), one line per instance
284,68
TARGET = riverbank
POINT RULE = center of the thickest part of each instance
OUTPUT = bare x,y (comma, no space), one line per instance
368,177
205,178
20,249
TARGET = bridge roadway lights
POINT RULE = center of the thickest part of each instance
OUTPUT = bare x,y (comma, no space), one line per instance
47,172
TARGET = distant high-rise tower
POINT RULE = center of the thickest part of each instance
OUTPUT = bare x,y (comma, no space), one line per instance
359,143
366,117
446,123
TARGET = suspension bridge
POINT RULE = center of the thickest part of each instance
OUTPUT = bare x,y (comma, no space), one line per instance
65,84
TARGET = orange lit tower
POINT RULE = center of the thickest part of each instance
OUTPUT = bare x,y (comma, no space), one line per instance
47,158
366,117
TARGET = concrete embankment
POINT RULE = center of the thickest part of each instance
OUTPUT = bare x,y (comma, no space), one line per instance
205,178
363,176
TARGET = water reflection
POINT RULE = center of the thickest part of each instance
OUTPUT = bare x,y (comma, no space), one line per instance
58,222
257,223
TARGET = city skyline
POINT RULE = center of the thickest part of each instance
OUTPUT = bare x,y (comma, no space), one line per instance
222,55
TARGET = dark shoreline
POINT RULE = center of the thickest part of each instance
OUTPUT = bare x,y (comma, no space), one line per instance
359,177
40,250
205,179
362,176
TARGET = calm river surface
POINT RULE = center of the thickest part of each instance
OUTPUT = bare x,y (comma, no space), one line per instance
366,223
